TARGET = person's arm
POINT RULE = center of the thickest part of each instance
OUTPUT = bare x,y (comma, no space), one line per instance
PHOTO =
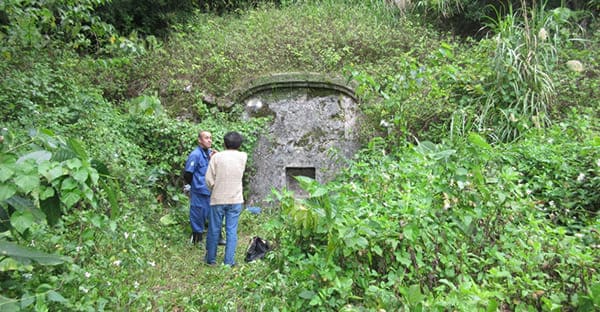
209,178
188,174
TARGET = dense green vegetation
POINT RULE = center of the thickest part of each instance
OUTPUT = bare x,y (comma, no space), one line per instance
477,188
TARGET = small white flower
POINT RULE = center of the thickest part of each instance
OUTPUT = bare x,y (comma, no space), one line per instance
384,123
117,262
108,283
551,203
152,263
87,274
580,177
78,248
598,162
136,284
85,290
126,235
543,34
27,276
446,205
579,235
528,191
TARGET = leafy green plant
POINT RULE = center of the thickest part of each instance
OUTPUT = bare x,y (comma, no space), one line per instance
522,89
29,25
41,179
438,226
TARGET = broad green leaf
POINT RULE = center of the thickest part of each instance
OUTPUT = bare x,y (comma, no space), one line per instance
306,294
478,140
595,293
168,220
112,225
73,163
75,145
88,193
46,191
70,198
63,154
111,192
27,254
43,288
94,176
462,172
22,204
97,221
6,172
56,297
377,250
53,172
80,174
492,306
320,191
9,264
68,184
414,295
27,300
411,232
48,136
443,154
38,156
402,257
21,220
304,181
27,167
362,242
7,191
426,147
25,204
43,167
27,183
9,304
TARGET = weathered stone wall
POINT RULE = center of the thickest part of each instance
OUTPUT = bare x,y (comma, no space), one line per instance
313,127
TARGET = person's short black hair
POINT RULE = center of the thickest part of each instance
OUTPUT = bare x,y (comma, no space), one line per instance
233,140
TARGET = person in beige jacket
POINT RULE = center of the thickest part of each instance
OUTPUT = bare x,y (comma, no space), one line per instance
224,179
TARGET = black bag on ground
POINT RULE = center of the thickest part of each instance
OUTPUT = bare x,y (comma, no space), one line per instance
257,249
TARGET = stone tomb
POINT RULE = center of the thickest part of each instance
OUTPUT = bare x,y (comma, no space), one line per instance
312,132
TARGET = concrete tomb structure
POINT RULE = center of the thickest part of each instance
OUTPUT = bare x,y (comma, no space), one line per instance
313,129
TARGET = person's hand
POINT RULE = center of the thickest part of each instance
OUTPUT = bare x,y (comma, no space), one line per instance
187,188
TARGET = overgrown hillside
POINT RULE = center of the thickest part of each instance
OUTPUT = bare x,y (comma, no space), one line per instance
476,188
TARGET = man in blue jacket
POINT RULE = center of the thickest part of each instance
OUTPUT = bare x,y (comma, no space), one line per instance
195,170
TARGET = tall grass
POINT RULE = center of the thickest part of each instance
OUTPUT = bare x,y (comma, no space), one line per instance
522,90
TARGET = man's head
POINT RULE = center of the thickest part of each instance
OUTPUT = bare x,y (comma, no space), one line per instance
204,139
233,140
